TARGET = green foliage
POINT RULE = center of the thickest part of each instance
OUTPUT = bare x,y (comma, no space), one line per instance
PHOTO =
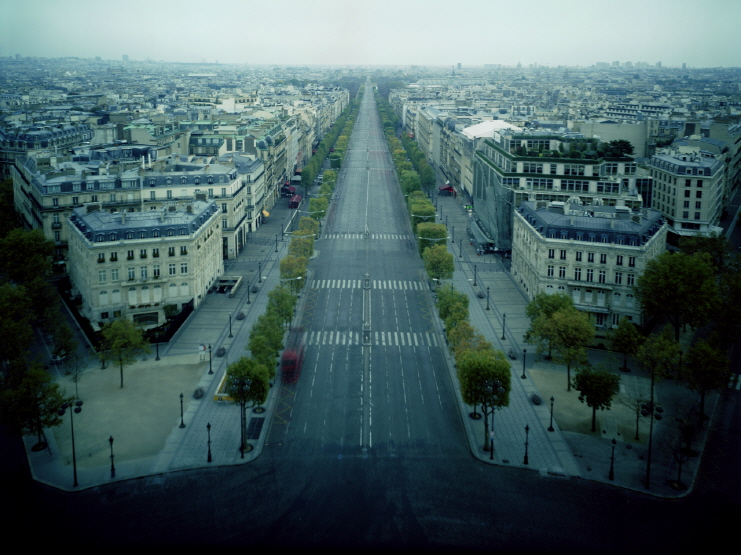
309,226
15,322
438,262
281,302
659,354
716,246
291,268
25,255
618,148
544,305
122,341
410,182
430,234
31,405
251,371
705,368
318,207
8,215
301,246
596,388
448,299
422,212
626,339
679,287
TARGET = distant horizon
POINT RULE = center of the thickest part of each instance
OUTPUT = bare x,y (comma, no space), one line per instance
378,33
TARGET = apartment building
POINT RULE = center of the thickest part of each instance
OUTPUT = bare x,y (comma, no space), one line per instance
132,264
518,165
594,254
688,188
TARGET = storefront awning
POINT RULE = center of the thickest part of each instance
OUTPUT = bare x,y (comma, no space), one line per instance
265,213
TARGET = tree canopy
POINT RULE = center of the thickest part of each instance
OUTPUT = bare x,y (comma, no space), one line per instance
596,388
438,262
122,342
248,369
626,339
679,287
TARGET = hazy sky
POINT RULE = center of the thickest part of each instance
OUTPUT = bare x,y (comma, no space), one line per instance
379,32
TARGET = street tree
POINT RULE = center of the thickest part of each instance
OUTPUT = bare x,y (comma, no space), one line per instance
626,339
679,287
291,268
25,255
447,300
302,247
15,322
567,332
716,245
281,302
246,368
422,211
64,340
705,368
438,262
122,341
318,207
30,406
410,181
618,148
430,234
308,225
634,398
544,304
477,372
728,315
658,355
596,388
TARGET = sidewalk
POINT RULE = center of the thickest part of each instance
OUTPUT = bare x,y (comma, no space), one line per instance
571,449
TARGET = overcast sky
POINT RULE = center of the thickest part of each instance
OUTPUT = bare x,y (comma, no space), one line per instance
378,32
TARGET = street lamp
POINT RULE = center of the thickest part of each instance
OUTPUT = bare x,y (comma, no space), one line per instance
243,387
494,390
524,356
210,369
460,253
208,429
504,325
182,422
550,427
113,468
157,344
652,411
611,476
276,242
77,410
474,275
259,272
230,325
527,431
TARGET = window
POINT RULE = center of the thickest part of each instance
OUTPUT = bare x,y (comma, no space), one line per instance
155,233
551,253
130,235
130,255
184,268
93,198
602,278
631,279
169,194
618,278
686,204
113,198
142,253
698,194
562,272
592,238
686,214
619,260
563,255
101,257
156,270
57,236
590,257
143,271
617,300
152,195
604,238
132,273
632,261
155,253
142,235
103,315
629,301
577,274
101,276
687,193
171,233
171,269
55,201
223,208
590,274
550,270
698,205
170,251
699,182
75,200
532,167
578,256
223,191
603,258
223,224
588,296
697,215
114,274
183,250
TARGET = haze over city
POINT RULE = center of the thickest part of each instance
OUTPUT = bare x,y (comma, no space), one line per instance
379,32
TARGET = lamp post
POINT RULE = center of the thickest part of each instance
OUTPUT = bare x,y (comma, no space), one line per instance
550,426
611,476
210,368
487,297
527,431
276,242
452,233
208,429
113,468
494,390
474,275
652,411
460,252
504,326
259,272
524,357
243,386
182,422
77,410
157,345
230,325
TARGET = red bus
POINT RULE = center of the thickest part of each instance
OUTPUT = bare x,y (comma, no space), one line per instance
293,355
294,201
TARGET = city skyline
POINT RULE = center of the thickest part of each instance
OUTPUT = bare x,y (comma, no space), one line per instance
380,32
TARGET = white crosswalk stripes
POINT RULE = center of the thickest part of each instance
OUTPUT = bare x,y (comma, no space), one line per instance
386,236
358,283
379,338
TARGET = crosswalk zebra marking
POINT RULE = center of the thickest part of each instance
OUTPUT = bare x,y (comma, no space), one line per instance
379,338
358,283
